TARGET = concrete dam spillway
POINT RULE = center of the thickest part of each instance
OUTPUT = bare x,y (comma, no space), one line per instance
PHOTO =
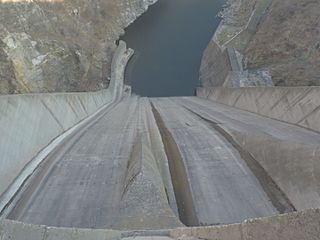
156,157
90,185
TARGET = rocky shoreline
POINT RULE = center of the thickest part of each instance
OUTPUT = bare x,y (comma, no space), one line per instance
276,39
61,46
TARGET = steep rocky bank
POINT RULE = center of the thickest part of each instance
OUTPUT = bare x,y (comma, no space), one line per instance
275,37
61,45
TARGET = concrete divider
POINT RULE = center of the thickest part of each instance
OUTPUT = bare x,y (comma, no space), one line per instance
30,122
293,226
296,105
147,200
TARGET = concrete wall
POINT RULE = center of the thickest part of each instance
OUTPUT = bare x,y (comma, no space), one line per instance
12,230
304,225
293,226
28,123
297,105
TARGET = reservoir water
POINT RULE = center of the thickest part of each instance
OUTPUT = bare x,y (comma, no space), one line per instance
169,40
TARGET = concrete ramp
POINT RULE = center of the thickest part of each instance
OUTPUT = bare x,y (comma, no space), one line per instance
287,154
31,125
104,176
223,188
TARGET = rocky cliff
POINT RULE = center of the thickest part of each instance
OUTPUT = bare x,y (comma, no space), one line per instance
280,38
61,45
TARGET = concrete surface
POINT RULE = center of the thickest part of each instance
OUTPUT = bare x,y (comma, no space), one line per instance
148,200
223,188
28,123
144,163
293,226
12,230
104,176
62,193
297,105
147,238
118,172
289,154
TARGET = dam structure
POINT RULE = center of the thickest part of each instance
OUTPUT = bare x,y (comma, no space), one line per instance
200,162
160,167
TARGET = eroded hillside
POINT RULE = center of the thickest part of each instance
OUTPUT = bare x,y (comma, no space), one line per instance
281,37
288,43
62,45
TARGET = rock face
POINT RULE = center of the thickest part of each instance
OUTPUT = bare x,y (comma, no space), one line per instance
280,37
61,45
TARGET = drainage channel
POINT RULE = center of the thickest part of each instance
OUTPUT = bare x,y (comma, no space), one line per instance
182,189
278,198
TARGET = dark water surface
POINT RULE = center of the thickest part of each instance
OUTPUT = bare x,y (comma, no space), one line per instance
169,40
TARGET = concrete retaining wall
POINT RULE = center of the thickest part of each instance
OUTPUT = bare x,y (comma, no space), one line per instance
28,123
297,105
20,231
293,226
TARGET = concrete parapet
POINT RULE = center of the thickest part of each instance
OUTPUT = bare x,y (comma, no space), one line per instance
80,234
296,105
226,232
29,123
293,226
17,230
20,231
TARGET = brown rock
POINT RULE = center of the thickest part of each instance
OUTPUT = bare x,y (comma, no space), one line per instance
48,46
